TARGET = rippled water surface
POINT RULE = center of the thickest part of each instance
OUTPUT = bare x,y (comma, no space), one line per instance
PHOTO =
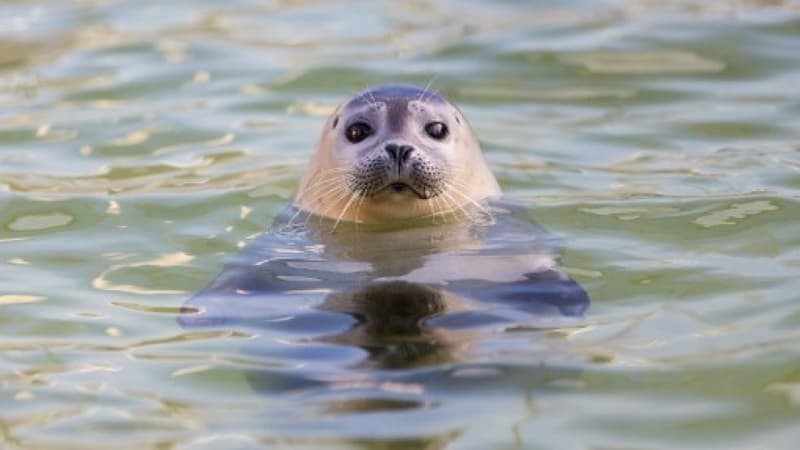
144,144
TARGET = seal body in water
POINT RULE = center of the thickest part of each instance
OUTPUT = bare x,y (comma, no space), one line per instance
398,223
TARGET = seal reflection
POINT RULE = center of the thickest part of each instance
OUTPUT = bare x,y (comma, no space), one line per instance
392,324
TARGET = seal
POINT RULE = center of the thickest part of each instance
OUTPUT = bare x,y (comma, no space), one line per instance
395,152
405,295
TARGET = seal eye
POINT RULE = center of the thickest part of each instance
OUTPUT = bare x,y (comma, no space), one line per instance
357,132
436,130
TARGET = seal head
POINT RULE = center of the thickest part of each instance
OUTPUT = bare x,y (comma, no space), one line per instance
395,152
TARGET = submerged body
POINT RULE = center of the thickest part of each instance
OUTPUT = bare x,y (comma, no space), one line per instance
437,282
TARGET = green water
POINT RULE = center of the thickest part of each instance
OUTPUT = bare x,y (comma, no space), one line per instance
142,143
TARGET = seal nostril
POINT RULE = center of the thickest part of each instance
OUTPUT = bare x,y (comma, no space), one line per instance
404,153
399,153
393,150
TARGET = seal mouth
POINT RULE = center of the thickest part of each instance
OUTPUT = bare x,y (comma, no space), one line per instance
399,187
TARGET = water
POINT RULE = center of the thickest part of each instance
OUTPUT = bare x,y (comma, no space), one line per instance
143,144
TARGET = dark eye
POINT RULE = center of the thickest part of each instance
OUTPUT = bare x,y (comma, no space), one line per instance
357,132
436,130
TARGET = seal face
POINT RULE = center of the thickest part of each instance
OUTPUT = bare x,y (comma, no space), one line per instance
395,151
409,160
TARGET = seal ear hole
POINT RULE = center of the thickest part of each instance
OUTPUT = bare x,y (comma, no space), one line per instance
335,122
458,119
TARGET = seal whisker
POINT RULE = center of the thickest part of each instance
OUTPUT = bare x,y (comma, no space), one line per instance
482,208
344,210
358,208
452,200
294,216
322,189
371,98
421,96
323,184
326,182
431,204
458,206
333,197
447,209
434,207
319,177
442,206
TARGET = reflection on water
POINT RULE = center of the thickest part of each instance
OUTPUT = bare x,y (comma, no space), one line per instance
391,324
